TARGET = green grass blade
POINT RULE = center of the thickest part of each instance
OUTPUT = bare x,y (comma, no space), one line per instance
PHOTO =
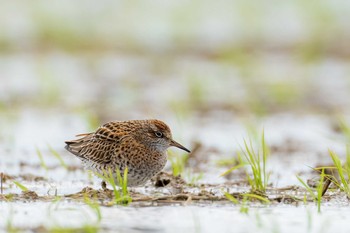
125,182
340,169
320,191
41,159
21,186
307,187
231,198
252,195
232,169
256,159
57,156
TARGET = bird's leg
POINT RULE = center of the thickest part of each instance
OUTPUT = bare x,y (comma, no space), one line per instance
104,185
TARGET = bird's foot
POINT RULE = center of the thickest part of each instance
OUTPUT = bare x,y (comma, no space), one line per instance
104,185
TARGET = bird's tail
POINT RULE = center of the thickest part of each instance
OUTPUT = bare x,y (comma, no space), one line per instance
75,146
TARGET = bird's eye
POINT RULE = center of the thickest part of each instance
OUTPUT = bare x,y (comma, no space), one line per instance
158,134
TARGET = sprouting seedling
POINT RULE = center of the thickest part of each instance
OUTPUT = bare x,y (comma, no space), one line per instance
94,206
308,188
57,156
231,198
21,186
257,197
319,190
88,228
256,160
257,163
178,163
228,162
246,197
193,178
121,196
123,182
240,164
41,158
244,206
343,172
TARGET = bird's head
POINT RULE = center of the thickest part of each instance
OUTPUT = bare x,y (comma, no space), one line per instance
158,135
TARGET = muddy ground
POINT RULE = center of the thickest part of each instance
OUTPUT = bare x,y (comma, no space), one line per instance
58,191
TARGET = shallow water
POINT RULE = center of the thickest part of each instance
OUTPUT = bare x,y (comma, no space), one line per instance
297,143
193,218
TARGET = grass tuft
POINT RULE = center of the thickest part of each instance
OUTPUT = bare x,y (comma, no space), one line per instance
343,172
121,195
256,160
179,162
319,190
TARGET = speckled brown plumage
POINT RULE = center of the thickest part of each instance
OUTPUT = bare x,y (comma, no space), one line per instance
139,145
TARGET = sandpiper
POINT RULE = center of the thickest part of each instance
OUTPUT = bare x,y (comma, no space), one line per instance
139,145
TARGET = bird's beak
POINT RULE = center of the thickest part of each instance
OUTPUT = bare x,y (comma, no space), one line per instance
178,145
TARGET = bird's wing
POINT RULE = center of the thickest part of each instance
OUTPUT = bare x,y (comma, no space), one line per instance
99,146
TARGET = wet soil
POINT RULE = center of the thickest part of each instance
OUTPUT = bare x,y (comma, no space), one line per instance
57,191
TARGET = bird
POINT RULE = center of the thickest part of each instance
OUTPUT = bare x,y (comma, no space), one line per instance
138,145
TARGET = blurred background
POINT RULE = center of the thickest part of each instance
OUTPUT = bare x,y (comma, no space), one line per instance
68,66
